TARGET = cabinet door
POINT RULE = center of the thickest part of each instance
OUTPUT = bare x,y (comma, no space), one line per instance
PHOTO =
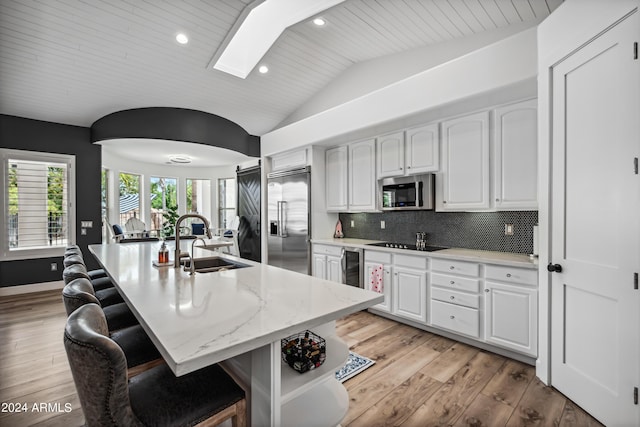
516,156
386,283
320,266
422,153
336,179
511,317
410,294
390,155
334,269
362,176
465,169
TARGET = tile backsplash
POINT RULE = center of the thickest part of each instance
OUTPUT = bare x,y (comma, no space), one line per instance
471,230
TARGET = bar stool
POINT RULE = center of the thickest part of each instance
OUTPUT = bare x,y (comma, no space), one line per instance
140,353
106,296
80,292
75,250
154,397
98,281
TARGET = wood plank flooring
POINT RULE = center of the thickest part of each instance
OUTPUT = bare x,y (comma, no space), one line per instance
419,379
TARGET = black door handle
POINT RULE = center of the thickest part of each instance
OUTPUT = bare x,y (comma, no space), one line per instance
554,268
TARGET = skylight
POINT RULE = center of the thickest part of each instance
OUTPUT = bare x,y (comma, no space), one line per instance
258,31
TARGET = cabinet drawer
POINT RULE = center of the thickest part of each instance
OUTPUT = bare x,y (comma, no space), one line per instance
455,282
456,318
417,262
456,267
512,274
327,250
455,297
374,256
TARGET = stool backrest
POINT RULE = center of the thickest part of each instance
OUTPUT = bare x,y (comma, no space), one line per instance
72,259
99,369
78,293
73,272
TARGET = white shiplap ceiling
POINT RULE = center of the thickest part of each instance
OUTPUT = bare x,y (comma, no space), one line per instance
75,61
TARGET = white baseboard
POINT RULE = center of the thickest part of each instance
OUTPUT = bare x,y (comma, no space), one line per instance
27,289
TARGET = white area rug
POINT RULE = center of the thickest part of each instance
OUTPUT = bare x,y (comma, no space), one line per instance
355,364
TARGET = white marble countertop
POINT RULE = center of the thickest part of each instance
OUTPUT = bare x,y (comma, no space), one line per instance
203,319
488,257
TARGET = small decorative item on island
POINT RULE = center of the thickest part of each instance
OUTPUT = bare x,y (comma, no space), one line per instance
163,254
304,351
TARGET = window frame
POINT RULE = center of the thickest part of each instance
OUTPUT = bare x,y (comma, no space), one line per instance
221,203
35,156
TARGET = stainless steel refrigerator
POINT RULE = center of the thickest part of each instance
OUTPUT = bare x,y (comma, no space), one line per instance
288,201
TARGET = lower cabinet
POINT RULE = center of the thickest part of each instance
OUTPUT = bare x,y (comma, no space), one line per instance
410,293
327,262
377,268
511,312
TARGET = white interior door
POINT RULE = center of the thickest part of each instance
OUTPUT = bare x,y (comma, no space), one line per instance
595,321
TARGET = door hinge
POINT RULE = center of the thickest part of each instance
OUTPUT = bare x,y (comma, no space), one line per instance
635,281
635,395
635,50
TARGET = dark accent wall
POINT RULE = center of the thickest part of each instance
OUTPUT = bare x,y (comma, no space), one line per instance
176,124
35,135
471,230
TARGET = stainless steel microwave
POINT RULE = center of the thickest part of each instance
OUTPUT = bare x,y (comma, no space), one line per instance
407,193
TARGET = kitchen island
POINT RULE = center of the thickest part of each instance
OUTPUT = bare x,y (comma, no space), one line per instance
238,317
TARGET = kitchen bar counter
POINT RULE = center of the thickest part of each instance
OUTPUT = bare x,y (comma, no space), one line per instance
488,257
207,318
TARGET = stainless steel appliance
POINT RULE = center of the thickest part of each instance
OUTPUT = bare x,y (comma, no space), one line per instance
407,193
288,200
352,264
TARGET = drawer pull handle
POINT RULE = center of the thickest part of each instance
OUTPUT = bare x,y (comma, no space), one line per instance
452,317
508,274
451,268
452,282
452,297
486,290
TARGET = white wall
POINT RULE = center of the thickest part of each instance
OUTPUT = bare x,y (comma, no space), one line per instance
116,164
570,26
492,68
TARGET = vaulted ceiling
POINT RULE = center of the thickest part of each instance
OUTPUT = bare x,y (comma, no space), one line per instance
73,61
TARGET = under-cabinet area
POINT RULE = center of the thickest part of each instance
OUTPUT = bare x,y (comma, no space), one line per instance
484,298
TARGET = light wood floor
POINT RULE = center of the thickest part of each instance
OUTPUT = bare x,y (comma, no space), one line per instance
419,379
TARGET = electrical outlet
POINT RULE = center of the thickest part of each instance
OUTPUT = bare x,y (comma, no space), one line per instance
86,224
382,225
353,223
83,231
508,229
54,266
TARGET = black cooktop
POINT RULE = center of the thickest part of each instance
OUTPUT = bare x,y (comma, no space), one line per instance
407,246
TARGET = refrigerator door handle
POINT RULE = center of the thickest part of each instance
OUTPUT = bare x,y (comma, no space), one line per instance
283,218
343,264
278,221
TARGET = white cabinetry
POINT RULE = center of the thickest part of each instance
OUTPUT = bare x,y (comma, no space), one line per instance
406,153
465,178
511,304
410,287
362,176
326,262
336,178
291,159
515,156
380,263
455,302
351,177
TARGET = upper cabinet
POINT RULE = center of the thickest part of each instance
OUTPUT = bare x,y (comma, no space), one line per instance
336,179
410,152
516,156
465,178
351,177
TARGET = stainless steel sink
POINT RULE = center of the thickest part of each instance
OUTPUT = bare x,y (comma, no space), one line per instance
212,264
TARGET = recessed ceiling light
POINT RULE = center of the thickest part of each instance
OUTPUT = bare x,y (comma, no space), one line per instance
263,69
182,38
319,22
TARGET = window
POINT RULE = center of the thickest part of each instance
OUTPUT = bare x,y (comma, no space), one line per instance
226,201
104,202
129,197
37,205
164,203
199,197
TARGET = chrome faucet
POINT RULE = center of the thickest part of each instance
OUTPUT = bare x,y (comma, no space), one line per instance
176,261
192,264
